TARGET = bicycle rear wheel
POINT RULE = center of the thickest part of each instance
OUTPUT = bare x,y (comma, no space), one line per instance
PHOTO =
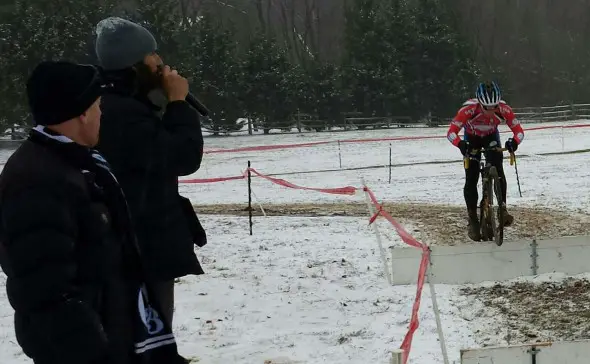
497,213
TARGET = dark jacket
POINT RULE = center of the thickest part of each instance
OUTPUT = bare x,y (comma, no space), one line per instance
75,277
68,277
148,153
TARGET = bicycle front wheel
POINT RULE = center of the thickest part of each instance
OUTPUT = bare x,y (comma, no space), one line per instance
497,212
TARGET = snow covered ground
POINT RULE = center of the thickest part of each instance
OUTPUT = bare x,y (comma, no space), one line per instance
311,289
556,181
314,296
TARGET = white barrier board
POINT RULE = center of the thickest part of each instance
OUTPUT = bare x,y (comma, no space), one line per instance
565,352
496,355
483,262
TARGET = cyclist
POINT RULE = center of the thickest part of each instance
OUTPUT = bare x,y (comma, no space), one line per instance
480,117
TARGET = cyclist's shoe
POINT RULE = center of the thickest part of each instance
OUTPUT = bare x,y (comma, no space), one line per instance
473,229
508,219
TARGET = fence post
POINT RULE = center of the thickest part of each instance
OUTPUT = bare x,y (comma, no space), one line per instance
533,351
250,197
339,155
389,163
249,125
397,356
372,212
534,255
441,336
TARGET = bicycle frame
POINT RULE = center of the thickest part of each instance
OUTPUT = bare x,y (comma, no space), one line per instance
484,170
484,167
488,224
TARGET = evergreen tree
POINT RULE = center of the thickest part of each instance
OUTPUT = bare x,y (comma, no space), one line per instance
210,53
444,71
267,83
327,93
33,31
400,33
371,68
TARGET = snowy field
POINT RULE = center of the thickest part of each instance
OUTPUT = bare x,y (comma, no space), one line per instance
558,181
312,289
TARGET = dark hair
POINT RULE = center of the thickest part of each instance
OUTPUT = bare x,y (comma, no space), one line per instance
137,80
146,79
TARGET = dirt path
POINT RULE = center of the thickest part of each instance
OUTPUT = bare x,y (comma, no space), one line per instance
435,224
535,312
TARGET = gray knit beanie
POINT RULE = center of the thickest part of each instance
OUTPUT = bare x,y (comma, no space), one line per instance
120,43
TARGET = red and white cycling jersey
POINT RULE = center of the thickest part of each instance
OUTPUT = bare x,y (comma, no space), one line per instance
472,118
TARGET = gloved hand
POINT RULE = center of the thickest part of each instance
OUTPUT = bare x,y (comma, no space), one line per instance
511,145
463,146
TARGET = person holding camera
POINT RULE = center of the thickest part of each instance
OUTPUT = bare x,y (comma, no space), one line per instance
149,147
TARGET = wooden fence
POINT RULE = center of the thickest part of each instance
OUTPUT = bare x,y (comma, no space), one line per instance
305,123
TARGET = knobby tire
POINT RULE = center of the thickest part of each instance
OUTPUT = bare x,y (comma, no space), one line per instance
499,236
485,213
497,213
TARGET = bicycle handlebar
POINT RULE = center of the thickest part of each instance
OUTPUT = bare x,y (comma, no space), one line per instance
467,157
493,149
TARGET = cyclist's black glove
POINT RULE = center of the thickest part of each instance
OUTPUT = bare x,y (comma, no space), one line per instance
511,145
463,146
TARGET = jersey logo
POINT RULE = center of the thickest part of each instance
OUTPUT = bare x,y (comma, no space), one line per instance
469,111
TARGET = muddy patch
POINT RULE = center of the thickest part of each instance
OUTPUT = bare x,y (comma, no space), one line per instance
434,224
526,312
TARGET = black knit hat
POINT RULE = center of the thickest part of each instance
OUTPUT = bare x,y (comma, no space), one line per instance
121,43
60,91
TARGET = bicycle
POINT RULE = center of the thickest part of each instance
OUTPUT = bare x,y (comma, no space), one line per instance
491,224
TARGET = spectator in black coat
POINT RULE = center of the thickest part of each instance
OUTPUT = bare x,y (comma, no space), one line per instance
149,151
68,248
